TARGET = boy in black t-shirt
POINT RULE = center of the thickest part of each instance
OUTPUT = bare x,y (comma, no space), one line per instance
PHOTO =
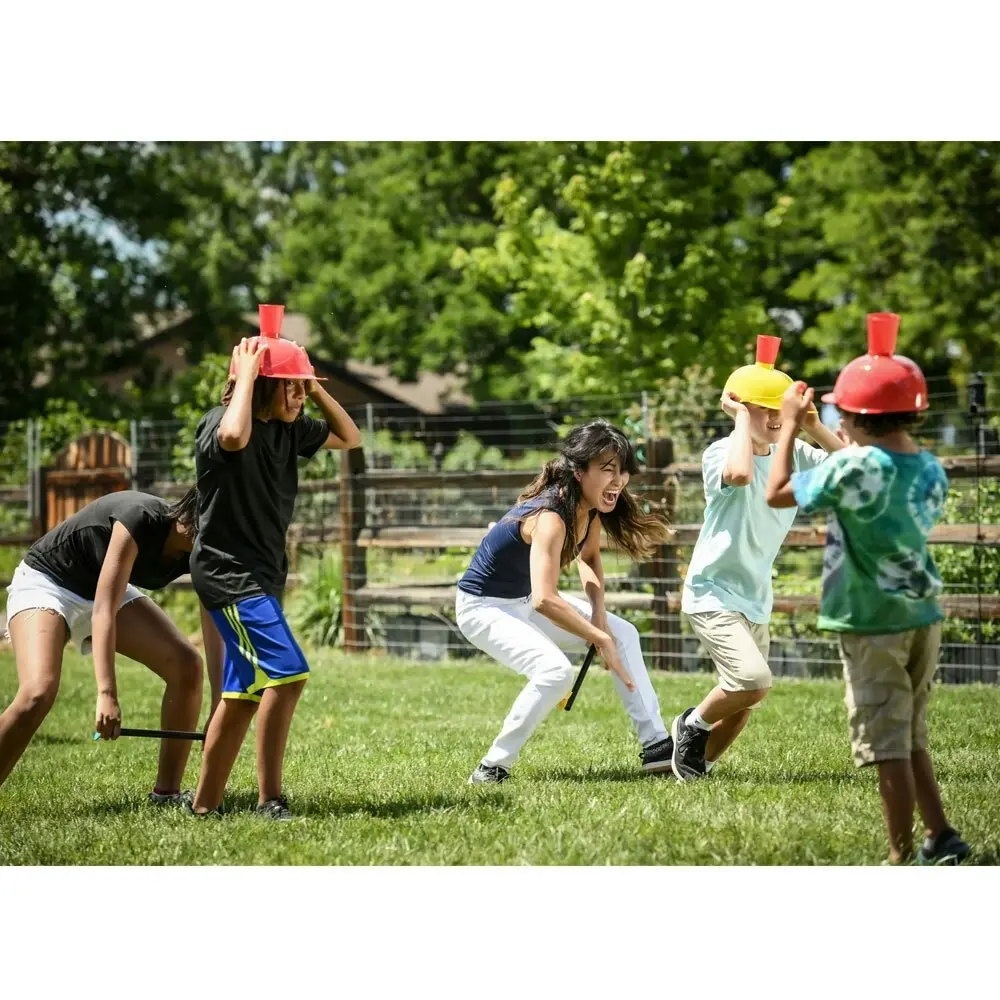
80,581
246,454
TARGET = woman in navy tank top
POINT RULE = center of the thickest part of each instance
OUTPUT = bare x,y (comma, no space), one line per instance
509,606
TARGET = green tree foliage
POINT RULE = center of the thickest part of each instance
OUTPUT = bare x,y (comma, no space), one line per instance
630,261
104,242
366,251
536,270
907,227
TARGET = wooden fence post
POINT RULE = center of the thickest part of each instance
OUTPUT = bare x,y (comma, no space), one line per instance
666,651
353,567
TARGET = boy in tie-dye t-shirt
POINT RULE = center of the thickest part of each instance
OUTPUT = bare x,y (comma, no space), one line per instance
883,496
878,574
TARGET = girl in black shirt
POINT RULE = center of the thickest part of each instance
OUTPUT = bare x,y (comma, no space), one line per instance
80,581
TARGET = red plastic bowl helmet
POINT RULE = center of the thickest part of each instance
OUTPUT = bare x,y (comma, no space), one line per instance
283,358
880,381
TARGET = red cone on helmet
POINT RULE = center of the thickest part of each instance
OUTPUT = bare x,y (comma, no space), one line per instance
283,358
880,381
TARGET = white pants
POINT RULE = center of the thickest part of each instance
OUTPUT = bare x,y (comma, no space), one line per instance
31,590
514,634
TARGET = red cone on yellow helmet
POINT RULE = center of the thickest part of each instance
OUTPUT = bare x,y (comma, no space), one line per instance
761,383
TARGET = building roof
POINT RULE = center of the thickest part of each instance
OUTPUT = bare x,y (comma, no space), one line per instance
357,382
430,393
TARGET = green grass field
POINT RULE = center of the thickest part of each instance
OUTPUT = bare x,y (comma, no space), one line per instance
381,749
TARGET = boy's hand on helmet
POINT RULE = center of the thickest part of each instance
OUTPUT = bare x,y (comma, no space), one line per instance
731,404
247,357
795,403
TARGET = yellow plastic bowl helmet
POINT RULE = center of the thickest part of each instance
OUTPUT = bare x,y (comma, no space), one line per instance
760,383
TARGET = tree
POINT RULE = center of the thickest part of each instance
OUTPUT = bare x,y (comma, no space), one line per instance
104,242
911,228
367,251
549,268
627,262
536,270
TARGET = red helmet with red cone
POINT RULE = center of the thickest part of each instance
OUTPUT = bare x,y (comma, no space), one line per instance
283,358
880,381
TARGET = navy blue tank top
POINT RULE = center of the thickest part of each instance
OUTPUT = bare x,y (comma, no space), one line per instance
501,566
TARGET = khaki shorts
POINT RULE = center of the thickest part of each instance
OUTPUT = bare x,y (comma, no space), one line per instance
888,684
738,648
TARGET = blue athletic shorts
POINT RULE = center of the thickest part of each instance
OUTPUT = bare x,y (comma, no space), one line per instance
260,649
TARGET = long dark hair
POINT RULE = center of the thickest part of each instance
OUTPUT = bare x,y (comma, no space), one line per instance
629,527
264,391
185,511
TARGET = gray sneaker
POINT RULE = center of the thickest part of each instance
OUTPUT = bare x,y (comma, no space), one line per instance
275,809
487,774
171,798
188,806
688,761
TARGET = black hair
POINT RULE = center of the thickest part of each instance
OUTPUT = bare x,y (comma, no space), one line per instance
880,424
185,511
264,391
628,526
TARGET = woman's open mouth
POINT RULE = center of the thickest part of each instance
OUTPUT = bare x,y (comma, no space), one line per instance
610,497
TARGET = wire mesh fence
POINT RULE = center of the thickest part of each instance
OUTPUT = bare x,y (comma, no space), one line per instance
406,589
408,593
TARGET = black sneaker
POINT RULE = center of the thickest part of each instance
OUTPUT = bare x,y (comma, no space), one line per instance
275,809
688,761
947,848
171,798
489,774
657,757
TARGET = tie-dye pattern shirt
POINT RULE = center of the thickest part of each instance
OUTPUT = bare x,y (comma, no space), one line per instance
878,575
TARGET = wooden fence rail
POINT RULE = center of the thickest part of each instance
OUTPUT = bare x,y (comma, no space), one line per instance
658,483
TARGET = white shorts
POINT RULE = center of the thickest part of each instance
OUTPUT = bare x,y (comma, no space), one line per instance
33,591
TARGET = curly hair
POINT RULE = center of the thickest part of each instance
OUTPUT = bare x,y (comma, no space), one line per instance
879,424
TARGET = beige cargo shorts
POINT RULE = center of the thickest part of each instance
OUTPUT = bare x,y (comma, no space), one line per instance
888,681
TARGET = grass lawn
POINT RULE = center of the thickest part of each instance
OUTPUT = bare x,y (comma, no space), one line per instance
381,749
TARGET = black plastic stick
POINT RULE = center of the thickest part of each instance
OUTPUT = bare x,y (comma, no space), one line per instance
580,676
160,734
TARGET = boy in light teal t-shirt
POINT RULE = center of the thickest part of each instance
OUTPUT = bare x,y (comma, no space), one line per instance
727,593
731,565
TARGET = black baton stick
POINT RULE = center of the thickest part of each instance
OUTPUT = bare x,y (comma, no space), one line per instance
579,677
160,734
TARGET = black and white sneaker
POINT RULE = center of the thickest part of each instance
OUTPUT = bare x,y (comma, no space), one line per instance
658,757
171,798
276,809
688,760
489,774
947,848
